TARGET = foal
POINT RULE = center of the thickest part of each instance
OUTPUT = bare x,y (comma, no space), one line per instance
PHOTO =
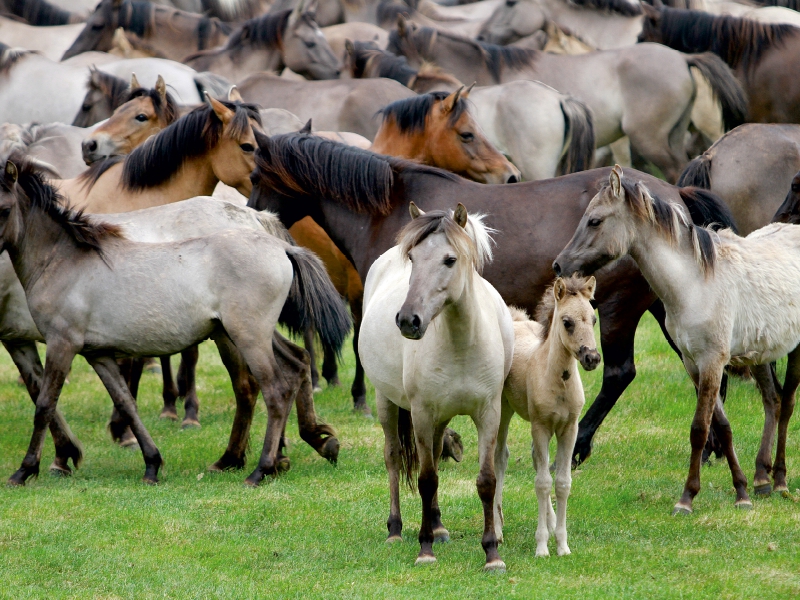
544,387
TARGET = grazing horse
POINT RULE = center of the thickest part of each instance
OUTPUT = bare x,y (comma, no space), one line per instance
644,92
360,199
174,33
290,38
423,375
727,299
108,313
764,56
544,387
542,130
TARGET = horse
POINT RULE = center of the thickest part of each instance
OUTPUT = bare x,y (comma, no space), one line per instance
544,387
762,55
723,303
54,144
423,375
50,41
789,210
174,33
338,35
359,199
734,169
463,20
290,39
96,324
543,131
39,12
644,92
328,12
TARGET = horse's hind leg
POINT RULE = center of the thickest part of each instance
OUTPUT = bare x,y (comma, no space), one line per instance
488,423
187,386
501,455
359,388
308,342
388,414
769,396
26,358
119,427
169,391
109,373
786,410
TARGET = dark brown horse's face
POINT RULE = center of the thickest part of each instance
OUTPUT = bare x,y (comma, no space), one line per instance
651,25
99,31
789,211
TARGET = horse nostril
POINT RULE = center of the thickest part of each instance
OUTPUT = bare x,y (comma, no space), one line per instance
397,319
481,38
557,268
90,145
512,179
415,322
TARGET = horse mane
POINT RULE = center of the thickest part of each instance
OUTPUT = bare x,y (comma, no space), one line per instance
369,55
265,31
166,108
410,114
310,165
96,170
474,242
42,196
547,305
114,88
138,16
739,42
9,57
163,154
40,12
620,7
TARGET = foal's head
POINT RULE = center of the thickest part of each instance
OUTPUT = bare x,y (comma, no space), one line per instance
789,211
144,113
445,249
566,312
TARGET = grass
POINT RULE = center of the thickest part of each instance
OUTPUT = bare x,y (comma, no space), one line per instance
318,531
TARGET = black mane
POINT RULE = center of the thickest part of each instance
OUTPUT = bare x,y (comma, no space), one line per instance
138,16
368,54
410,114
620,7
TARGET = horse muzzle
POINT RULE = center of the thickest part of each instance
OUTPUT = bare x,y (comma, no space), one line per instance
589,358
410,325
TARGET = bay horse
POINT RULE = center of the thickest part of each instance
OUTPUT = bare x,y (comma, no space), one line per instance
174,33
423,375
728,300
544,387
359,198
244,337
274,41
645,91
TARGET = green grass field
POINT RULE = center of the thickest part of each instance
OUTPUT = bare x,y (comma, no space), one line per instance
318,531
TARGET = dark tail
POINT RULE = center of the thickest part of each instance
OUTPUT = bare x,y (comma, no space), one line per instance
697,173
707,209
314,301
578,137
40,12
726,87
409,461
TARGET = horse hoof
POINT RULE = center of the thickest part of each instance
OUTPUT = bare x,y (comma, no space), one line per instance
57,471
168,414
150,480
764,490
425,559
743,504
441,535
394,538
250,483
330,450
283,465
495,566
362,407
190,424
680,509
316,389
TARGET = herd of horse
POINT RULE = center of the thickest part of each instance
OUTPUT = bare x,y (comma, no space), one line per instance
431,166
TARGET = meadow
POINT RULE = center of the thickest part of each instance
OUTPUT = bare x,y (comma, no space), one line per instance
318,531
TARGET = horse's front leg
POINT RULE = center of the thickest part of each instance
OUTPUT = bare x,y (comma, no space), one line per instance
57,364
440,533
501,455
769,397
389,417
566,441
488,423
540,448
786,410
359,388
427,482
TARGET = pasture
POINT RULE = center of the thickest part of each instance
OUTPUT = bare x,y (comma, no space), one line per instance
318,531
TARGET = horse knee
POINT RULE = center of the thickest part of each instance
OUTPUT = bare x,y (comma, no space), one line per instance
486,484
543,483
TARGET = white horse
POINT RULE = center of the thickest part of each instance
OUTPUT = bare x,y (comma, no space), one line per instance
436,340
544,388
728,300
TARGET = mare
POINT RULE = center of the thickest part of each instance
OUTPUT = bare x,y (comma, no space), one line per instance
543,131
644,92
764,56
544,387
360,199
727,299
39,12
423,375
290,39
107,315
49,41
172,32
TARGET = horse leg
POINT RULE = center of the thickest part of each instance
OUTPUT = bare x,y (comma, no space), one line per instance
786,410
388,416
330,367
59,358
187,386
308,342
359,388
488,423
119,427
319,436
540,436
762,485
726,439
501,455
427,482
440,533
26,358
169,391
565,439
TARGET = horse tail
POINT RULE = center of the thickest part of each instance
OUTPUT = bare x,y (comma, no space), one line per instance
725,86
313,301
697,173
578,152
409,460
707,209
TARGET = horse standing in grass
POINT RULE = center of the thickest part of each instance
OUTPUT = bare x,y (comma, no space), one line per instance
423,375
544,387
728,300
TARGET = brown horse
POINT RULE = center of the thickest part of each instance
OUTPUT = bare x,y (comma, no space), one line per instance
172,32
361,199
764,56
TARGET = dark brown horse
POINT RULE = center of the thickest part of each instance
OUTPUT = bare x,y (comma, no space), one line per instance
361,200
765,57
39,12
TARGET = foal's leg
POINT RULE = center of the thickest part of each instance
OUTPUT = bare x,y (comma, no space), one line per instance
26,358
540,436
769,396
187,386
169,391
501,455
487,424
59,358
308,342
388,417
786,410
566,440
109,373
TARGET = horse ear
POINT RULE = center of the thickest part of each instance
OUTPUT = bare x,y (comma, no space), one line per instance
449,103
234,95
161,87
559,289
402,26
296,14
306,128
465,95
615,180
652,12
135,82
414,210
94,76
10,173
311,7
591,286
349,47
224,113
460,215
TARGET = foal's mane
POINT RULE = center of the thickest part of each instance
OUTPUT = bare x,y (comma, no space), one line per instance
40,195
309,165
163,154
9,56
620,7
547,305
739,42
410,114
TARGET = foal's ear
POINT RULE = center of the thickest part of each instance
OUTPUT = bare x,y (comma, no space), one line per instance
460,215
306,128
414,210
134,82
615,180
559,289
234,95
349,47
10,173
402,26
161,87
224,113
591,286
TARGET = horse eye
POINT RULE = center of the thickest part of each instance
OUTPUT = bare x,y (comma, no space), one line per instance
310,44
247,147
141,117
466,137
568,324
595,222
4,212
449,261
409,257
511,3
796,187
86,107
98,26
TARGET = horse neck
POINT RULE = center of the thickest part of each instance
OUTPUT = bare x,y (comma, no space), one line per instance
460,60
462,316
236,64
391,141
